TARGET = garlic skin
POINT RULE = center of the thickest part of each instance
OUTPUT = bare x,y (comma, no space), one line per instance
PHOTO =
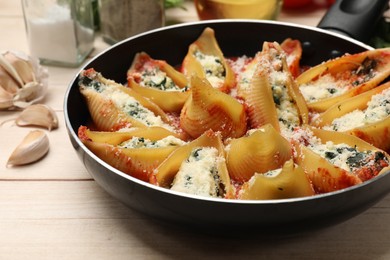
33,147
38,115
22,80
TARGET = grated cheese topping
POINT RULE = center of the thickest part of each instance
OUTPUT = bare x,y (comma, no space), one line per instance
325,87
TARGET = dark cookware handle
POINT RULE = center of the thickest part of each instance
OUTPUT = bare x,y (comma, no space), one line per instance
354,18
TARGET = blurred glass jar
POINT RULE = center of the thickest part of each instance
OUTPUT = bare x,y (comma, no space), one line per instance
59,32
235,9
120,19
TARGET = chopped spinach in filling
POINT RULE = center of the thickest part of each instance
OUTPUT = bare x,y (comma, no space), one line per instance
212,66
348,158
155,78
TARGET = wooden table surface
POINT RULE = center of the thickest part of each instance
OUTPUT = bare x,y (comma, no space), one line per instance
53,209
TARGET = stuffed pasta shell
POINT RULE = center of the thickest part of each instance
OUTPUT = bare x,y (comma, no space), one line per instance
197,168
288,181
335,160
271,95
330,82
158,81
134,152
115,138
113,106
206,60
208,108
254,153
366,116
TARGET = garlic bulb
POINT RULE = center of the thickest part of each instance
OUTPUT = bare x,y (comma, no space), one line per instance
22,80
32,148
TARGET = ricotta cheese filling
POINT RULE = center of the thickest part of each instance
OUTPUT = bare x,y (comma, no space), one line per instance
155,78
285,105
141,142
378,109
325,87
198,175
328,86
213,68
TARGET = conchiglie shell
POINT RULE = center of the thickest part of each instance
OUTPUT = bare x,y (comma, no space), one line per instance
258,95
97,77
208,45
377,134
352,141
346,106
262,151
169,101
115,138
166,171
324,176
137,162
208,108
258,98
291,182
104,113
346,68
293,49
143,61
179,78
292,88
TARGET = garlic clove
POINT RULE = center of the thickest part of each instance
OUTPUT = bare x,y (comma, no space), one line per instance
6,99
27,93
7,66
33,147
38,115
7,82
22,66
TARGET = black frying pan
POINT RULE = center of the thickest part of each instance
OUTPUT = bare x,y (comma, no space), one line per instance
236,38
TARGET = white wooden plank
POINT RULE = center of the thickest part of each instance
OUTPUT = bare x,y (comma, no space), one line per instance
80,221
